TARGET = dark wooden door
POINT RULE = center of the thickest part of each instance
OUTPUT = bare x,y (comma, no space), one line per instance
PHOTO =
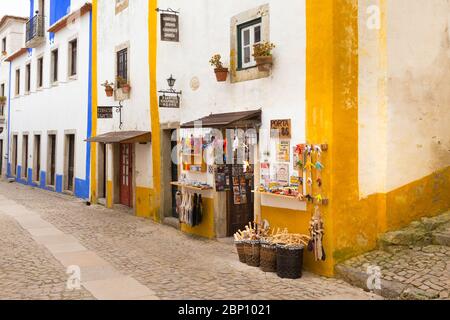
71,168
126,174
240,210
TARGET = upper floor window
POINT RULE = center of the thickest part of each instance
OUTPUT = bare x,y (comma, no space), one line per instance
248,34
122,64
4,44
40,72
17,91
54,71
28,77
73,47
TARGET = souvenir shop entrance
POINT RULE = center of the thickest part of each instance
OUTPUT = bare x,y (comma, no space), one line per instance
230,174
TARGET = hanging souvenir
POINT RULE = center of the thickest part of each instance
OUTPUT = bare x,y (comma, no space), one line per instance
316,230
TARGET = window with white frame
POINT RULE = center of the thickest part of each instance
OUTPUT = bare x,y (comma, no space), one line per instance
28,78
40,72
73,49
248,34
17,91
54,71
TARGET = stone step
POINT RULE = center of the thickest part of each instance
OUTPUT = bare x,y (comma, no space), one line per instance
419,233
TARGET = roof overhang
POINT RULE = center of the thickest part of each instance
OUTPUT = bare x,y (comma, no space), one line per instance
123,137
7,18
70,18
230,119
16,54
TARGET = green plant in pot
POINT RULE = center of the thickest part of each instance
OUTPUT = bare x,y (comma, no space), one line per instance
220,71
109,89
123,84
262,52
2,101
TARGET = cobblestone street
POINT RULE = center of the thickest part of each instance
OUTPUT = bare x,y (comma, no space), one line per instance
122,256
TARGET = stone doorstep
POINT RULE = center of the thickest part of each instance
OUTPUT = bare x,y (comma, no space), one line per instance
358,278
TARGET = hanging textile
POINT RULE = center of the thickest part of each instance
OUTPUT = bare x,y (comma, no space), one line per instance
190,210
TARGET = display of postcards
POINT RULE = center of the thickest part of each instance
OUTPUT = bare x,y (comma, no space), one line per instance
220,182
242,181
235,181
243,191
236,190
237,199
227,183
243,199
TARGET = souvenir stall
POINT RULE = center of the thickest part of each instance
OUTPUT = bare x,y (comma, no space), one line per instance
216,168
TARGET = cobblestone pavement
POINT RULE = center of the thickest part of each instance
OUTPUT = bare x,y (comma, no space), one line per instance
170,263
411,273
29,272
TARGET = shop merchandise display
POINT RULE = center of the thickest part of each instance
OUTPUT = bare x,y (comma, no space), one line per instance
189,208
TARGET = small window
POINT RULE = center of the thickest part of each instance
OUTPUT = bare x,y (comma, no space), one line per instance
4,44
17,91
27,78
40,72
122,64
54,73
249,34
73,47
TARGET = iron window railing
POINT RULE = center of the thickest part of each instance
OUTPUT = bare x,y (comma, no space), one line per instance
35,28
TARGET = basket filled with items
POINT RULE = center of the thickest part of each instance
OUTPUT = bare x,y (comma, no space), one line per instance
248,243
290,254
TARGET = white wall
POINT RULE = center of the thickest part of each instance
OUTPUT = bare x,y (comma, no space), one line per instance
129,26
404,94
59,107
204,31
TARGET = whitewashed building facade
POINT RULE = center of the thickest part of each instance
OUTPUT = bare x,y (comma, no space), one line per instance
11,37
50,98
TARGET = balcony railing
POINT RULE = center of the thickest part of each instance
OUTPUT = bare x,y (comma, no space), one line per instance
35,31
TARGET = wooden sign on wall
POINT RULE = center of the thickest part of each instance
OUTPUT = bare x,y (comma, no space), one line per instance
170,27
280,129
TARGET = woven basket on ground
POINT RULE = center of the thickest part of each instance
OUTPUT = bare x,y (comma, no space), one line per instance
268,257
289,261
240,247
252,250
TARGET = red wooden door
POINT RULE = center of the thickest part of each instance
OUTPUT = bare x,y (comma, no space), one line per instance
126,174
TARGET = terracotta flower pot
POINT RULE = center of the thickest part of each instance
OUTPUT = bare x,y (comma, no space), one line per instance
109,91
264,63
221,74
126,88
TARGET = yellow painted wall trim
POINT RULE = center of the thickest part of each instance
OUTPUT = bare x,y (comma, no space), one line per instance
109,194
155,202
143,204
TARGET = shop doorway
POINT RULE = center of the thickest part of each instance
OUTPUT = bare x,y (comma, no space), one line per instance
25,156
126,172
240,199
37,158
102,171
51,169
14,156
69,171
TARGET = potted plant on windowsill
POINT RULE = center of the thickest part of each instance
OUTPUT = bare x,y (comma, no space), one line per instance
262,52
123,84
109,90
220,71
2,101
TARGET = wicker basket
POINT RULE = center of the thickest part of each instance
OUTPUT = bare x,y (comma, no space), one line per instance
268,257
252,249
289,261
240,247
